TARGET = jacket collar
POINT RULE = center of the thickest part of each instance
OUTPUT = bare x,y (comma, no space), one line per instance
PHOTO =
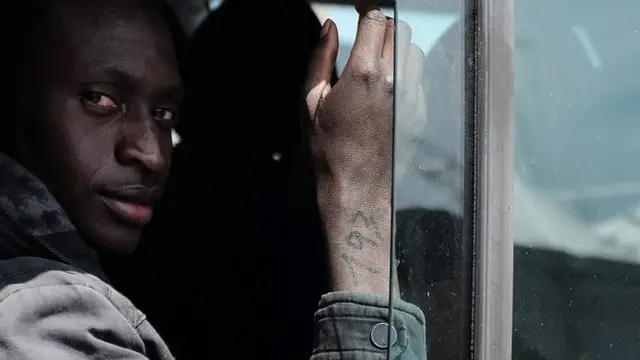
32,223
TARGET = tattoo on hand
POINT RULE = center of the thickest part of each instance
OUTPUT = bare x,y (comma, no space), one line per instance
356,240
369,223
352,263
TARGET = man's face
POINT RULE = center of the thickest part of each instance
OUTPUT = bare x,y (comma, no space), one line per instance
105,102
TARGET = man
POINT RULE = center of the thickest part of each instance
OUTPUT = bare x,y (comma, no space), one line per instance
89,150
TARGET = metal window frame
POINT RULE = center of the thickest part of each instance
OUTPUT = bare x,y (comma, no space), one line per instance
492,51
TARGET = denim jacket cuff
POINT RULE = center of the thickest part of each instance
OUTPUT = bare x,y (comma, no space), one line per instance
354,326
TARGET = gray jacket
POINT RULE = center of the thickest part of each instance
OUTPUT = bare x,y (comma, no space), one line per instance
56,302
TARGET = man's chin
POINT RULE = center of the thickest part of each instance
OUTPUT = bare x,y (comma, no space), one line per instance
115,240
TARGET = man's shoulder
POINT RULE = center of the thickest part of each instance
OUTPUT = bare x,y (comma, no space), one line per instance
58,279
17,274
50,309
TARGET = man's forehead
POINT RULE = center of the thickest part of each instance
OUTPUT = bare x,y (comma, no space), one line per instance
125,6
110,38
111,27
126,56
76,17
100,12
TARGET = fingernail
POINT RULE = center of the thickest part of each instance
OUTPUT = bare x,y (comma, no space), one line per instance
325,28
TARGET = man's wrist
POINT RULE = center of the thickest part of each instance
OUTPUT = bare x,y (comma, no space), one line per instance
357,225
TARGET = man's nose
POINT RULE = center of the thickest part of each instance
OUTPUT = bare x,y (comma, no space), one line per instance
141,145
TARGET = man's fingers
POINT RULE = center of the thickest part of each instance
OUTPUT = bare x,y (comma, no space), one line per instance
390,53
323,58
364,6
321,66
370,34
388,48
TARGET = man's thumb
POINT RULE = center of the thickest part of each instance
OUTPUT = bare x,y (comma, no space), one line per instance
321,67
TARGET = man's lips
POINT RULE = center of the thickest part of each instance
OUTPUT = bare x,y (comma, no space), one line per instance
132,204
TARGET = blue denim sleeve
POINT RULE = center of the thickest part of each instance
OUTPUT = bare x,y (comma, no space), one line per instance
354,326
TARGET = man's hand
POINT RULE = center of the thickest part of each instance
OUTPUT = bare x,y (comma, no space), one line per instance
350,133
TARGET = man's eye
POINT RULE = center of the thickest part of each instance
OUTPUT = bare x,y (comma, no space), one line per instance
100,100
163,115
100,104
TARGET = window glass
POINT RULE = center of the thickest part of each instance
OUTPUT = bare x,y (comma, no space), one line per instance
191,13
433,254
577,189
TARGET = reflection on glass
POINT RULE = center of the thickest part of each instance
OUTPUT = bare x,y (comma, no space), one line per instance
433,265
192,13
577,260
